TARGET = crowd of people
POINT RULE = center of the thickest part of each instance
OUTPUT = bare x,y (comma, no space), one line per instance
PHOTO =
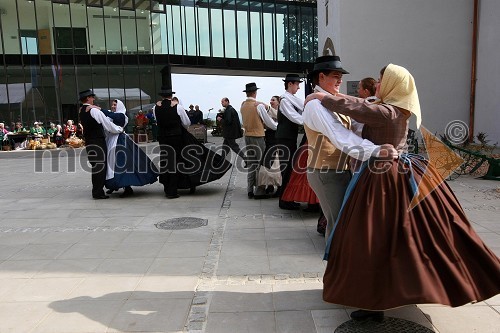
382,253
352,166
17,134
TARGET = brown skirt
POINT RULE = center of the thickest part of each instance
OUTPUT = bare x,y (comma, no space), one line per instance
383,256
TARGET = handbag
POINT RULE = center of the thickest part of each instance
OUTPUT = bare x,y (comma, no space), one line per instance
270,176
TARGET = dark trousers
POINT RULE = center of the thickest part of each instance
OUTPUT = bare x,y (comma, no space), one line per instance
170,155
231,143
286,148
96,155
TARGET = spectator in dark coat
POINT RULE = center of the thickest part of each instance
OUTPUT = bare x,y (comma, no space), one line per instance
231,128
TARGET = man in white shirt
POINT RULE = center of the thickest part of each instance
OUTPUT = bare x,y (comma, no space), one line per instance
332,140
289,120
94,123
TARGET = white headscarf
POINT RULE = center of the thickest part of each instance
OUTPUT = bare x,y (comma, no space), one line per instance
120,108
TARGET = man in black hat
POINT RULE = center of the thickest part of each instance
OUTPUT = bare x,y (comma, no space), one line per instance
330,138
289,120
170,116
253,123
94,123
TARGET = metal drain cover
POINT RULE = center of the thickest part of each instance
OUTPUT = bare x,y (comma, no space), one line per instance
389,325
179,223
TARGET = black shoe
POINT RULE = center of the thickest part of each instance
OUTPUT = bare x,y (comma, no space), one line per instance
269,189
192,190
289,205
250,195
311,208
109,191
174,196
127,193
261,196
365,314
277,194
98,197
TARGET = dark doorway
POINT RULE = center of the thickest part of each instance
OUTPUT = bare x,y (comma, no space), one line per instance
70,40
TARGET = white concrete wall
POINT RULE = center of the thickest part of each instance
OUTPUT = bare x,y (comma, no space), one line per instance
432,39
487,113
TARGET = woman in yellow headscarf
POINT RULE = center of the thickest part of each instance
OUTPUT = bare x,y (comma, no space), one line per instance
384,253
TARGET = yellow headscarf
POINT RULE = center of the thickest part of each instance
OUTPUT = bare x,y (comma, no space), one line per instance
398,88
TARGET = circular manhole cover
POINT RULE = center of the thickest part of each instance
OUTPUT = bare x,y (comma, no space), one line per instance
182,223
388,325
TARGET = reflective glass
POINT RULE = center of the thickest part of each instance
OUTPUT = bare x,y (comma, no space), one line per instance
204,32
217,34
230,33
255,33
242,26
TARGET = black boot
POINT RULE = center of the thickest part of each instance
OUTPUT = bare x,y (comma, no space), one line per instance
288,205
365,314
127,192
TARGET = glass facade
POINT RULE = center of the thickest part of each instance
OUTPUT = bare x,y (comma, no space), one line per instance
51,49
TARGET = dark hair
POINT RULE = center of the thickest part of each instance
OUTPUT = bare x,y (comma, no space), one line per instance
277,97
369,84
225,99
382,71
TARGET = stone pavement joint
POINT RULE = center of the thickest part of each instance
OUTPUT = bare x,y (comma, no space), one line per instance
198,313
68,229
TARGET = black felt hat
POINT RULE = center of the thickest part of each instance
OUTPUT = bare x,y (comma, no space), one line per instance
328,63
292,78
166,91
249,87
85,93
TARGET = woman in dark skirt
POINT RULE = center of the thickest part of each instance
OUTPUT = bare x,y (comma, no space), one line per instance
385,251
127,165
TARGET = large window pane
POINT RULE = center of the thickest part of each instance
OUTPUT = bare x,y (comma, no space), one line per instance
243,51
230,33
174,26
255,31
97,29
217,35
204,32
190,31
269,42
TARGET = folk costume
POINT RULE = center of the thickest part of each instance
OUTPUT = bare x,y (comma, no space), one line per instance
289,120
253,123
382,254
184,162
127,164
95,122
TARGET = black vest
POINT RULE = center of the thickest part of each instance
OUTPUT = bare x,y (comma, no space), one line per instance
287,129
91,128
167,119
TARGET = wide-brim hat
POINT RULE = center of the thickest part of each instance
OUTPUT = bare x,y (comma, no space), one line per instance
166,91
328,63
86,93
249,87
292,78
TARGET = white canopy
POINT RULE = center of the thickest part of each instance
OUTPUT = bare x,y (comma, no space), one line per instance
121,94
143,107
17,92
